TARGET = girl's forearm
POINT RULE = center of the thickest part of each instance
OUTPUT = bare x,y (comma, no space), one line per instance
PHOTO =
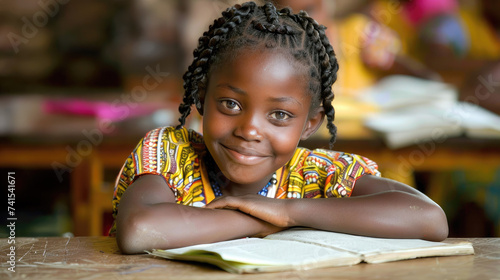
373,215
169,225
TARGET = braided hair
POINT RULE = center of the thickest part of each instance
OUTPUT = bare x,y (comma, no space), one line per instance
248,25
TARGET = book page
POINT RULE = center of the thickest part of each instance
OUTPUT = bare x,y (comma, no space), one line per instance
270,252
302,248
352,243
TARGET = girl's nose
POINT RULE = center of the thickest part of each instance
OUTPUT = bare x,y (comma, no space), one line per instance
249,128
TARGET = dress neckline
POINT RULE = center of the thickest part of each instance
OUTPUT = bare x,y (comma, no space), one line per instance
214,177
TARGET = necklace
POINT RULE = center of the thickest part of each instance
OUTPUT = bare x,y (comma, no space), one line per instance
215,182
271,182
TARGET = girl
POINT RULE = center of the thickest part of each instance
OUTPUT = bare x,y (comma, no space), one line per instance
262,80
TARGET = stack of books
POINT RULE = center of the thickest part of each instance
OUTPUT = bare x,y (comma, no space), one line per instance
412,111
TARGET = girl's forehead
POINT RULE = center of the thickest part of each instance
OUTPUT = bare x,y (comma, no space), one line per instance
278,59
276,62
264,73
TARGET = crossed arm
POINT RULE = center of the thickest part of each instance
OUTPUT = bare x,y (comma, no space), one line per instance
149,218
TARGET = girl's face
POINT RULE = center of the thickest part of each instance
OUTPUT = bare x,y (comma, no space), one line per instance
256,110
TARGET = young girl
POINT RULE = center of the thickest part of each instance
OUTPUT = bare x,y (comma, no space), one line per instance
262,80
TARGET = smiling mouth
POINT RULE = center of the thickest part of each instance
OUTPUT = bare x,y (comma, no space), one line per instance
245,157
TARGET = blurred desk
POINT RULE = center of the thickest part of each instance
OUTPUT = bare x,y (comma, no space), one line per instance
91,191
451,154
460,174
99,258
71,136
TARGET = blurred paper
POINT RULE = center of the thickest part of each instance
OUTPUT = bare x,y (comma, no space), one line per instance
414,110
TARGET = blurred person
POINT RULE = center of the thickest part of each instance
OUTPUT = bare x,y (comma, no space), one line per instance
459,41
367,49
466,45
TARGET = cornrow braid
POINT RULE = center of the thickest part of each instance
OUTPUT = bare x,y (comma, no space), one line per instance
328,63
279,29
249,25
271,14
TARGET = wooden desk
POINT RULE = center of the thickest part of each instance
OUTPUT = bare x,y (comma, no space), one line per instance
99,258
452,154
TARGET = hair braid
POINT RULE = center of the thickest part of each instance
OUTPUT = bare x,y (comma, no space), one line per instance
328,66
271,13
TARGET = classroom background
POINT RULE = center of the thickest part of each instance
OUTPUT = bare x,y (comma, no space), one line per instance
82,81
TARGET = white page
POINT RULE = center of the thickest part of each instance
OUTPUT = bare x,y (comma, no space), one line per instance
352,243
398,91
272,252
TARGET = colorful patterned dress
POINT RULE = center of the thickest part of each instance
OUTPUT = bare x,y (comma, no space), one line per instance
180,156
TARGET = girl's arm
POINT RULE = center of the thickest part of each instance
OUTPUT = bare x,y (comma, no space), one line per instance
378,207
148,218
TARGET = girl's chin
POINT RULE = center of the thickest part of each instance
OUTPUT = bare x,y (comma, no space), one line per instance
241,177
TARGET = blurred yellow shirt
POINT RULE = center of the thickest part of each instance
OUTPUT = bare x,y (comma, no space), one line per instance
362,47
484,43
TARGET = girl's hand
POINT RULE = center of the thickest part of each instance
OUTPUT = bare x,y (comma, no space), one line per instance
273,211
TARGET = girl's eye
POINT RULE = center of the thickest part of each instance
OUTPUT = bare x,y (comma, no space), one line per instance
230,104
280,115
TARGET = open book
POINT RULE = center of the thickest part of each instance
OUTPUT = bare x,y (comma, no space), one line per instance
301,248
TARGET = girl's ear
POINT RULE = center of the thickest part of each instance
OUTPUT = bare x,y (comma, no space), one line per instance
313,123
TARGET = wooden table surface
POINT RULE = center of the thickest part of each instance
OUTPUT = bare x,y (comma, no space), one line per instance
99,258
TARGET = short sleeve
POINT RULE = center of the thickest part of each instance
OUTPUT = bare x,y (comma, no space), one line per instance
168,152
324,173
344,171
146,158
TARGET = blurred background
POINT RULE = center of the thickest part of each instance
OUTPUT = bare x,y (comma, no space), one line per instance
82,81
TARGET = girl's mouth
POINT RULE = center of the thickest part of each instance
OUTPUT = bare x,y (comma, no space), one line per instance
244,156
